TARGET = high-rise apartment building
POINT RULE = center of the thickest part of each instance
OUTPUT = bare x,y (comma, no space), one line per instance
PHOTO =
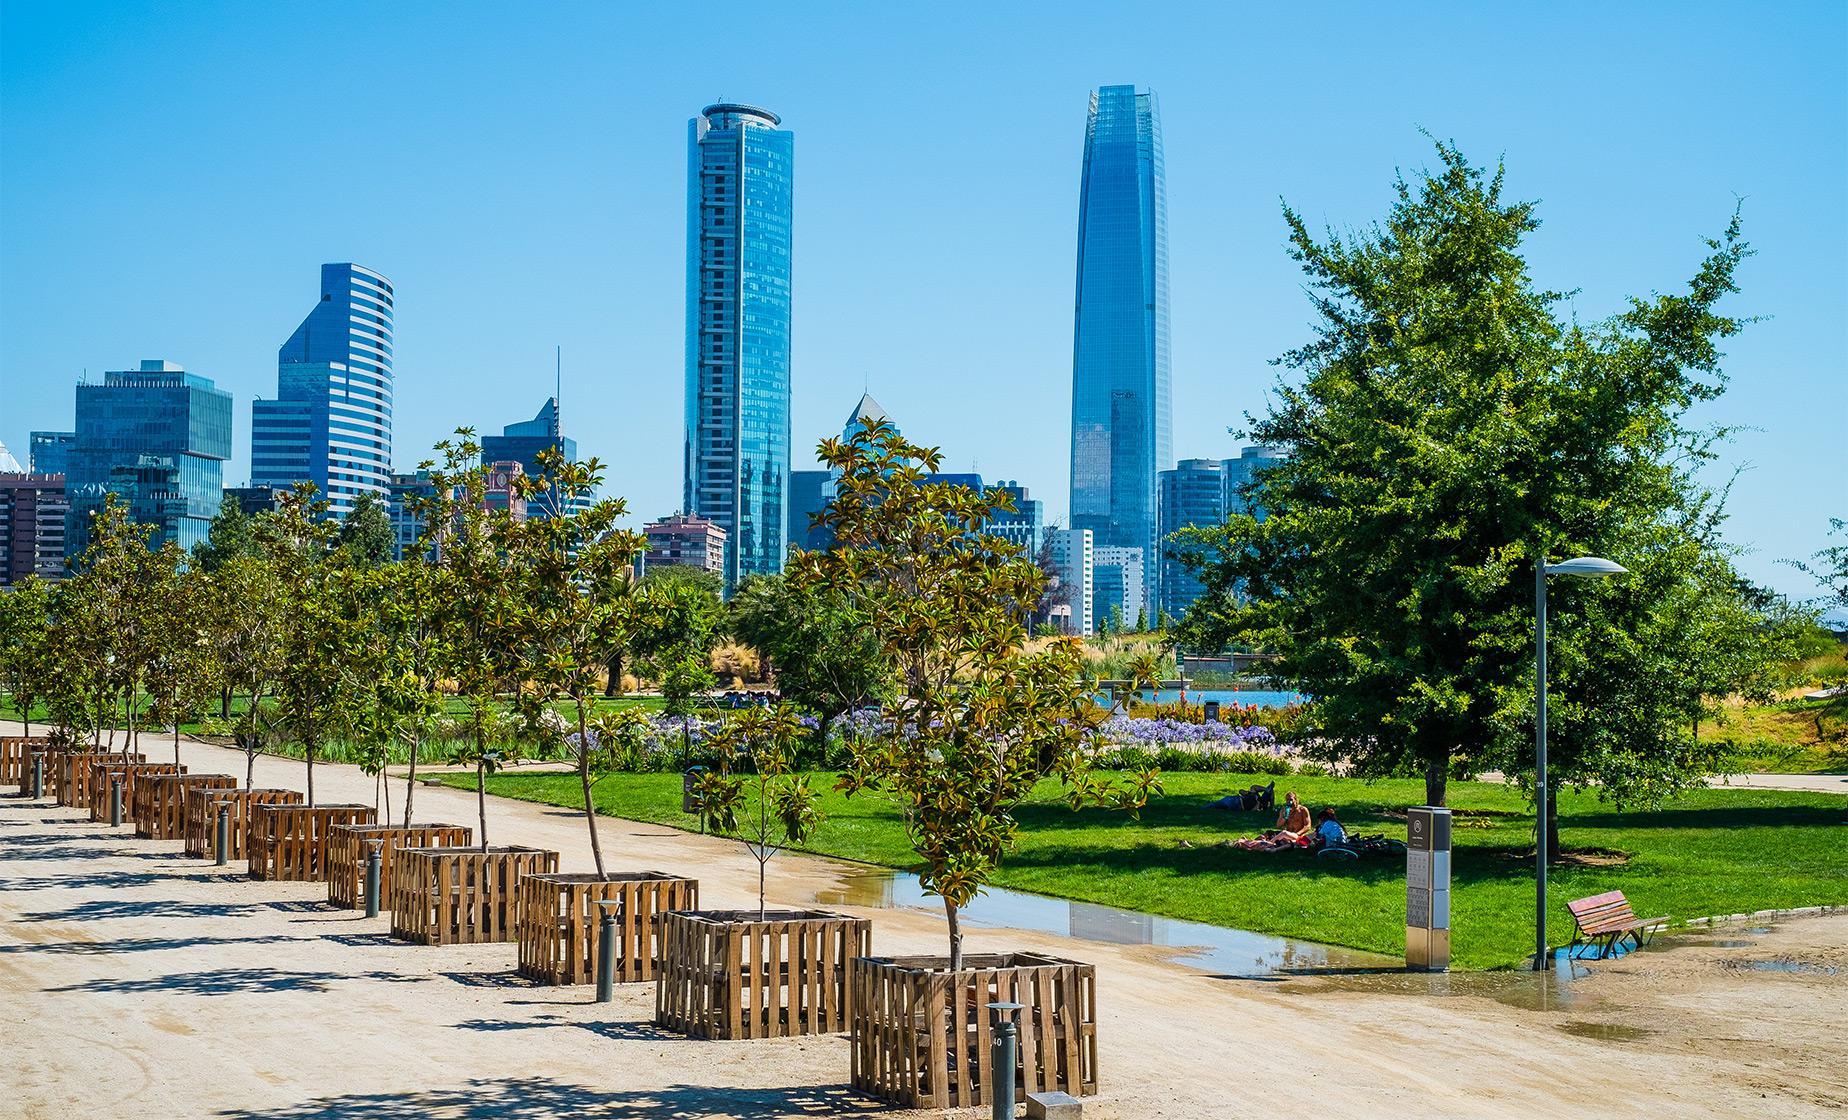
1118,586
740,203
1121,411
1072,557
330,423
33,509
685,540
158,437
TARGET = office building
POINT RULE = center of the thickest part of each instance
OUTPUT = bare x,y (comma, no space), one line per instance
156,436
1072,558
1118,583
522,442
503,485
809,494
330,423
686,540
253,500
1192,494
740,201
50,452
33,509
1025,526
403,494
1121,413
1240,470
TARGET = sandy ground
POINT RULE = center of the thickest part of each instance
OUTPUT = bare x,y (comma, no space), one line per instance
136,982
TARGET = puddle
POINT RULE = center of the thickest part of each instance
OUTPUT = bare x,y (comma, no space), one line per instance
1219,950
1783,964
1606,1032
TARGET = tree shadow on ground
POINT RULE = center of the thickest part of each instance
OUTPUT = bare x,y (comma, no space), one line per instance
624,1031
111,880
491,980
232,981
143,944
1723,818
142,908
74,852
541,1098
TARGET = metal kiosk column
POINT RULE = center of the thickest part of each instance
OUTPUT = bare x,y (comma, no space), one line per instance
1427,889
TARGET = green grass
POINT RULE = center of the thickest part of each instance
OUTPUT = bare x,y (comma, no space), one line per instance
1709,852
1789,737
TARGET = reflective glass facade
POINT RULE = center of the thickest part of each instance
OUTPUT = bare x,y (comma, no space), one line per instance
522,442
740,201
1121,412
330,423
158,437
1193,493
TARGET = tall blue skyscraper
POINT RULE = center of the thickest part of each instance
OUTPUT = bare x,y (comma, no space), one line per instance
157,437
1121,414
740,201
330,423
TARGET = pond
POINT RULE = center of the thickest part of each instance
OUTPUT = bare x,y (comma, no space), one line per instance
1263,698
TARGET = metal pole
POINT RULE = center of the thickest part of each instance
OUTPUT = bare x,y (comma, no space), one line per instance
375,860
115,803
606,951
224,832
1540,954
1003,1057
38,777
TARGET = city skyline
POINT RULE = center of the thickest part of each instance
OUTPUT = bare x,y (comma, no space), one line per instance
961,236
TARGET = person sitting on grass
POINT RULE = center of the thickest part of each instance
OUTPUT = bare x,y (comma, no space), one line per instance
1292,831
1328,830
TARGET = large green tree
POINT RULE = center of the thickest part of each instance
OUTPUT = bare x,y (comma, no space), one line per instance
366,534
1448,427
816,639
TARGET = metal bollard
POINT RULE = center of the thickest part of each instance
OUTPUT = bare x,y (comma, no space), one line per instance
1002,1058
224,832
38,777
374,862
606,952
115,803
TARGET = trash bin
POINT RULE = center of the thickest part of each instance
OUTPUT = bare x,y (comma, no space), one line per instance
689,779
1212,711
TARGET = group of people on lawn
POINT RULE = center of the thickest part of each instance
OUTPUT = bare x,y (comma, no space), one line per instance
1294,828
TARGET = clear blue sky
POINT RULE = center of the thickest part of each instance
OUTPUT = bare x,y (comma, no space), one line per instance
171,179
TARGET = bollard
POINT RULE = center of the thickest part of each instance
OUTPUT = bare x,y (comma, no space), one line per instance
606,952
1002,1059
224,832
38,778
374,860
115,803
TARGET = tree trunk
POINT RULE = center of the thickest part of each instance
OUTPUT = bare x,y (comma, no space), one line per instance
176,742
410,777
762,864
481,798
956,950
1437,775
590,809
250,767
224,703
612,684
308,753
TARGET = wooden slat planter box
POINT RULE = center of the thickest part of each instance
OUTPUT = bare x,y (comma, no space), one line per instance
921,1034
160,803
347,845
288,843
202,817
51,752
97,775
560,917
79,784
63,771
134,777
13,768
728,974
461,896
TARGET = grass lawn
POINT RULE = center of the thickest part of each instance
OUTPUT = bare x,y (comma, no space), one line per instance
1789,737
1709,852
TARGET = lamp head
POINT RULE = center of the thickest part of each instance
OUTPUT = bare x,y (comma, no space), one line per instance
1587,567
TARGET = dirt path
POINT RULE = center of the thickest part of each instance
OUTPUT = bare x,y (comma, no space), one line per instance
142,983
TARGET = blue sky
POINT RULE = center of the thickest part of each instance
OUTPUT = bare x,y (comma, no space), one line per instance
171,178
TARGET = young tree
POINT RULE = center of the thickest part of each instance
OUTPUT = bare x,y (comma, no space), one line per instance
1829,567
1450,431
785,809
184,674
366,535
115,578
247,618
569,566
25,630
817,641
313,686
978,722
679,623
229,536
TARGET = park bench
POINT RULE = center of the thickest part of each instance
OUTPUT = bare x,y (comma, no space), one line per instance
1606,920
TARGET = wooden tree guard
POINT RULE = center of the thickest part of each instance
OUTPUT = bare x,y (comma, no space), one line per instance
347,845
202,817
160,802
728,974
65,769
921,1034
288,843
98,772
53,756
14,769
560,918
461,896
78,785
133,777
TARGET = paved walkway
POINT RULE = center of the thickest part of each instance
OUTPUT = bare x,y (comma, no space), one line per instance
135,982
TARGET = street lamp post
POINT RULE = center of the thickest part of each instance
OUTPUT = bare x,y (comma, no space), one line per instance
1585,567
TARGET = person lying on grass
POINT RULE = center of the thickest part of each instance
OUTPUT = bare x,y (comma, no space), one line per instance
1257,797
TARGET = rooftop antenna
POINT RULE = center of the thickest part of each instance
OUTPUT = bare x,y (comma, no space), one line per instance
558,391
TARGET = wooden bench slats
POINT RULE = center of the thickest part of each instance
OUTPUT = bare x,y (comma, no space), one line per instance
1607,920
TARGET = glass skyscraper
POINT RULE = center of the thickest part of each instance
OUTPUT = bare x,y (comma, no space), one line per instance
740,201
522,442
330,423
158,438
1121,413
1192,494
